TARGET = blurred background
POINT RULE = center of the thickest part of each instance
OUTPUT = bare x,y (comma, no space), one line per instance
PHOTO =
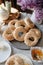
15,5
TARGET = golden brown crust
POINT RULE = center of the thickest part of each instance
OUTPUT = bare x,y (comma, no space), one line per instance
19,33
37,32
7,34
14,60
12,28
10,61
12,22
29,23
21,23
31,39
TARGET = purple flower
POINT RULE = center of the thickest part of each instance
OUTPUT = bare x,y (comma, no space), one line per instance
39,14
23,5
31,3
19,0
36,4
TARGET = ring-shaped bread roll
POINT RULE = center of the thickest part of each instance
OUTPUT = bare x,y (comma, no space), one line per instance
12,28
36,31
29,23
14,60
7,34
19,33
12,22
30,39
22,23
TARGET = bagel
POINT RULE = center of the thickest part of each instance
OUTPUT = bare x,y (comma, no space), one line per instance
36,31
12,22
21,23
19,33
14,60
29,23
7,34
30,39
12,28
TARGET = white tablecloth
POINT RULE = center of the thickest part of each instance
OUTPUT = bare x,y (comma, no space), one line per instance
25,52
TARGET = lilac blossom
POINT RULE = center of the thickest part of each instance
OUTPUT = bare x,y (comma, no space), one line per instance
24,5
36,4
39,14
30,3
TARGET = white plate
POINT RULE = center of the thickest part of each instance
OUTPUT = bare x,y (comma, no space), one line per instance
25,58
4,54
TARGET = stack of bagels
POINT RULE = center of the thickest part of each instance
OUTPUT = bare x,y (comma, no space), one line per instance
22,31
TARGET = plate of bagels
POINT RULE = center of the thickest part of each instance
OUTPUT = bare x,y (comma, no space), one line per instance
20,31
